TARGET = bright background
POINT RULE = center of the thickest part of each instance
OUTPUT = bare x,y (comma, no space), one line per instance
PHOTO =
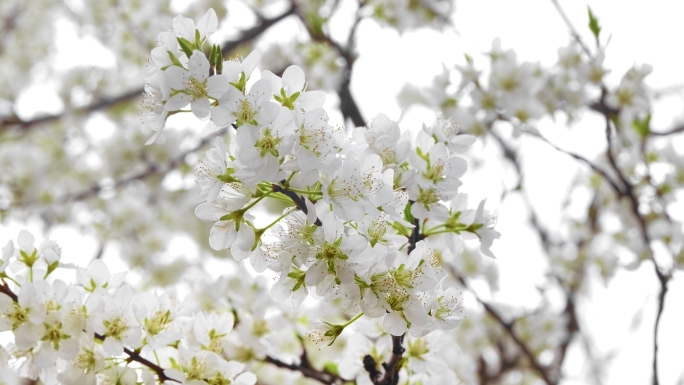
619,317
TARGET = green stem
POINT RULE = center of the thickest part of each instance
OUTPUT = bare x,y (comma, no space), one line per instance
259,232
427,231
441,232
11,279
351,321
244,209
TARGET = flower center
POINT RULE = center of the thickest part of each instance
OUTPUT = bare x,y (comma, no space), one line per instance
196,88
245,113
268,144
115,328
435,172
428,197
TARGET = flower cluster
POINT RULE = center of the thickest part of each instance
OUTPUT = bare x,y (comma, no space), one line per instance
358,207
78,333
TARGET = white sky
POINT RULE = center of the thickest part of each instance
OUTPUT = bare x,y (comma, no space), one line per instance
640,33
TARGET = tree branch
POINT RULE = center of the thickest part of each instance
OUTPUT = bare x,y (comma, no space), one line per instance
508,327
663,279
674,130
572,29
151,169
348,106
104,103
322,377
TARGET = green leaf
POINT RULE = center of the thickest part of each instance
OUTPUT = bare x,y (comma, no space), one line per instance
212,56
219,60
407,213
593,24
642,126
331,367
185,45
174,59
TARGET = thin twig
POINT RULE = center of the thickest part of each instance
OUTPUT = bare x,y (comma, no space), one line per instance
508,327
322,377
572,29
675,130
663,278
348,105
15,122
151,169
584,160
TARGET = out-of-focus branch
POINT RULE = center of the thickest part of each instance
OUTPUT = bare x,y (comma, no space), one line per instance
619,191
14,122
572,29
151,169
663,278
348,105
675,130
508,327
320,376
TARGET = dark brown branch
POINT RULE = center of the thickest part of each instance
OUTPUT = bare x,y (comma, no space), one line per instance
322,377
348,106
104,103
298,200
392,367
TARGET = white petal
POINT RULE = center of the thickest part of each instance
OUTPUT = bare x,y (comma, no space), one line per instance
260,92
26,241
415,313
154,137
176,77
209,212
458,167
316,273
208,23
394,324
198,66
222,116
247,378
177,102
251,62
222,235
245,237
201,107
275,80
160,56
311,99
184,27
112,346
293,79
217,85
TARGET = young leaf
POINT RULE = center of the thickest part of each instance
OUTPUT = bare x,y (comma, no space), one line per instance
594,25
